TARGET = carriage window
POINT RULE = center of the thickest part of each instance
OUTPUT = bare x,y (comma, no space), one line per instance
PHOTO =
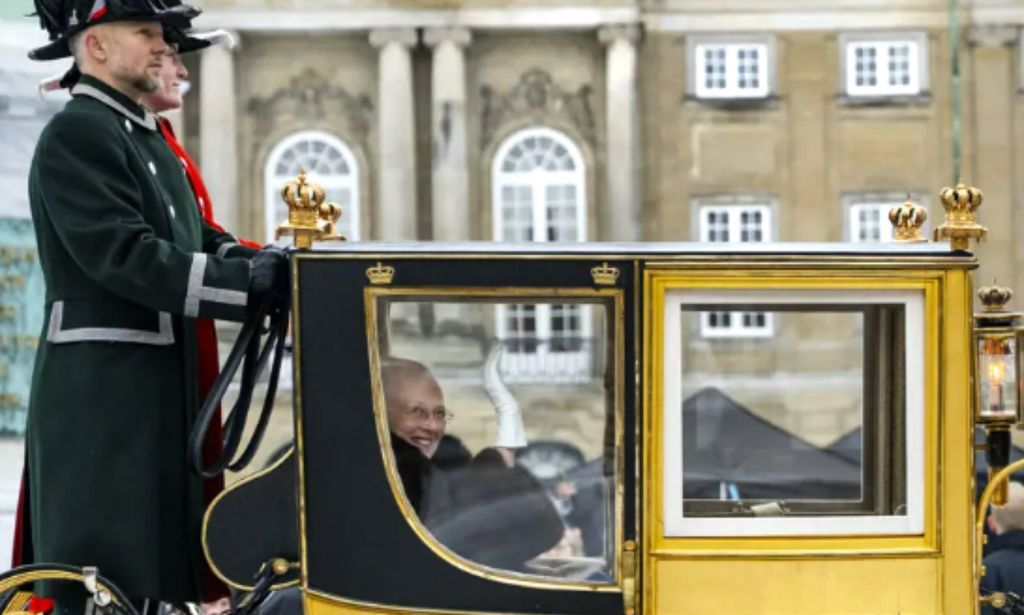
810,423
501,418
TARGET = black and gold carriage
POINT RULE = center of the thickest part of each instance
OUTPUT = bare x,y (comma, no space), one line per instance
759,428
755,428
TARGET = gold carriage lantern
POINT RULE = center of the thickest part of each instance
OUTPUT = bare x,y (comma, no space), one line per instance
998,338
309,218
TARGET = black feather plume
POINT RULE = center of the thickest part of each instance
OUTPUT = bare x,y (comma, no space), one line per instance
53,16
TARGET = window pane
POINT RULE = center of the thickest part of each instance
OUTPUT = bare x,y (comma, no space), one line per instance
750,226
758,417
561,212
747,65
899,64
869,222
517,213
865,68
717,225
714,68
566,328
456,406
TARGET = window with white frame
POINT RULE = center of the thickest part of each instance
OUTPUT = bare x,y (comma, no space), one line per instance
884,67
869,222
328,161
735,224
730,70
539,194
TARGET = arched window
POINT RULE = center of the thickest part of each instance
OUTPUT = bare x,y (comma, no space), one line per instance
539,188
328,162
539,194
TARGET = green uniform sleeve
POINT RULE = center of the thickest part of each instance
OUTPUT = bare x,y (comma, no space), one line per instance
224,244
94,203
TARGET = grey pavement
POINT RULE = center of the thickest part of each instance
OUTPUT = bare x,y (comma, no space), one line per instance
11,461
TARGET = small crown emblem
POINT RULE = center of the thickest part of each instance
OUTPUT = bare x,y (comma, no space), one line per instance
605,275
380,273
994,298
907,220
960,226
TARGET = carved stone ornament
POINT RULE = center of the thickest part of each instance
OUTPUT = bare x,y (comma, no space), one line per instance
310,97
536,97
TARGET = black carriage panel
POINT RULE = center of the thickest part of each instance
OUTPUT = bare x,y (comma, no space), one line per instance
362,540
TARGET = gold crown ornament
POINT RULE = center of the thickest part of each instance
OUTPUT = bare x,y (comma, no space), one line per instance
605,275
907,220
960,226
994,298
309,218
380,273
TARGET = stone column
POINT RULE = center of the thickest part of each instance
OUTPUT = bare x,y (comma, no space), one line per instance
993,104
620,218
395,215
218,134
450,175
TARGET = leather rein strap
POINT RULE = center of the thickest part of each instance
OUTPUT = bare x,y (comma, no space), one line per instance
247,355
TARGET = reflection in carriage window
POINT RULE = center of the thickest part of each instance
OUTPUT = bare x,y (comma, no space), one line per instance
502,426
808,422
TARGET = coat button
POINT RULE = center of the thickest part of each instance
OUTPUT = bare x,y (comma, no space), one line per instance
170,208
127,125
152,167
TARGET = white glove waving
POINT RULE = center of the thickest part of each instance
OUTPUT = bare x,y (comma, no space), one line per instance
511,433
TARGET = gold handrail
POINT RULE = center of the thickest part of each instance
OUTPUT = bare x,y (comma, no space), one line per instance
979,525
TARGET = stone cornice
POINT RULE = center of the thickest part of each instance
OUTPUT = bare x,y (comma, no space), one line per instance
688,16
306,20
460,36
627,32
792,20
406,37
993,36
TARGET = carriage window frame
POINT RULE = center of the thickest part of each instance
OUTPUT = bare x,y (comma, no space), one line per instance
678,525
376,300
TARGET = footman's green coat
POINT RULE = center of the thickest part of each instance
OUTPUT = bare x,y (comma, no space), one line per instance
128,265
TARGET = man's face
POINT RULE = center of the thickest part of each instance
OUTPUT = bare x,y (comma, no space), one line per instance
134,54
416,412
168,95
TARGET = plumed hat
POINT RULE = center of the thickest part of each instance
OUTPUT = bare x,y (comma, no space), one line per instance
63,19
187,41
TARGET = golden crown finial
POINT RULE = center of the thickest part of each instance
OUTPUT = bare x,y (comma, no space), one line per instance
605,274
380,273
309,218
907,220
330,213
960,226
994,298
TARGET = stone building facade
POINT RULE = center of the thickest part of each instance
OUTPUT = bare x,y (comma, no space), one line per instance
657,119
662,120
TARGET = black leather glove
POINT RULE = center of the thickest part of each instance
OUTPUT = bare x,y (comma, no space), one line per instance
268,275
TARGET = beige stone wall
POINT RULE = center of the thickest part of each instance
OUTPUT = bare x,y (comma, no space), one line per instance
290,83
496,66
409,4
993,149
806,149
